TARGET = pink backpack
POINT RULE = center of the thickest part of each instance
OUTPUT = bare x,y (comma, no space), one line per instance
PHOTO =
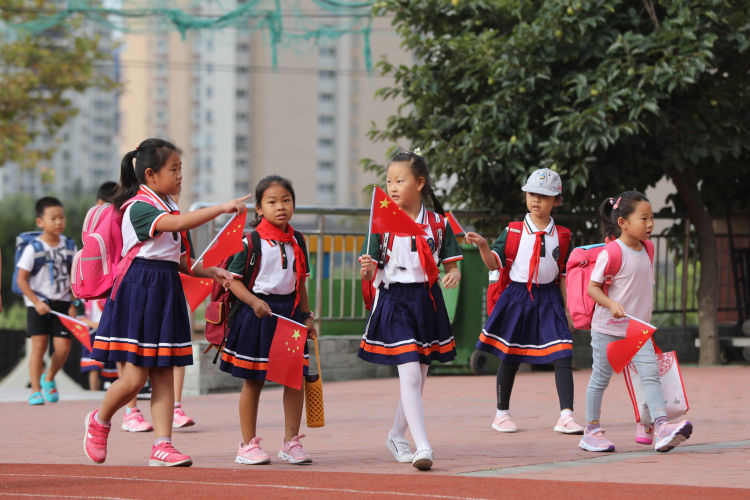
99,263
580,265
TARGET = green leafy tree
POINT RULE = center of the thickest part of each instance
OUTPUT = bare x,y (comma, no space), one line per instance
38,74
613,94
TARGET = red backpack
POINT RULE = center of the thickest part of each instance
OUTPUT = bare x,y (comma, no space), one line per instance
222,305
515,229
437,225
579,268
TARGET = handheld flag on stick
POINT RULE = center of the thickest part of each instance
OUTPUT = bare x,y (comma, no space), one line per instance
196,289
457,229
227,242
620,352
287,354
79,329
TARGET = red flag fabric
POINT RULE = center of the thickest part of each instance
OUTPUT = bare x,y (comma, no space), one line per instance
387,217
196,289
457,229
79,329
620,352
229,241
287,354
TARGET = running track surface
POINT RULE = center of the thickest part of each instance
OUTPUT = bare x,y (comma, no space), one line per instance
83,481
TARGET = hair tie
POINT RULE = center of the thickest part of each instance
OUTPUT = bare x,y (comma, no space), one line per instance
417,151
617,203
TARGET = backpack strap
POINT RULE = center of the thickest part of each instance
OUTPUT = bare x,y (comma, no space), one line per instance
437,225
563,238
614,260
512,242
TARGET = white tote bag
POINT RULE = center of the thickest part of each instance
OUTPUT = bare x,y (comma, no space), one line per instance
672,386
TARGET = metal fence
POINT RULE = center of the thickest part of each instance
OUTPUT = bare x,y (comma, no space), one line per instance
335,237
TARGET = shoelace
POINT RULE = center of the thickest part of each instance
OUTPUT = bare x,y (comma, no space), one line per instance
401,446
179,412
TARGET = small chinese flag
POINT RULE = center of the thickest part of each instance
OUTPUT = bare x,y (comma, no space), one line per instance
287,354
79,329
457,229
620,352
196,289
228,242
387,217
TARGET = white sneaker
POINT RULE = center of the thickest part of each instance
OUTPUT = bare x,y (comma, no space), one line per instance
400,448
422,459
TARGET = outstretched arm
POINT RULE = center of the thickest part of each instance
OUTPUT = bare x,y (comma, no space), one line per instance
173,223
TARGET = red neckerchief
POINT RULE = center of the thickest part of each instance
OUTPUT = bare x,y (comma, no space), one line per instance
161,204
430,271
534,262
268,231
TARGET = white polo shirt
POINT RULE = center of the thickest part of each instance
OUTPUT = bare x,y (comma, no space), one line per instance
277,272
550,252
139,225
404,266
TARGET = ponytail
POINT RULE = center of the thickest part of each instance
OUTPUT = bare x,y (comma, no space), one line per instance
611,209
150,154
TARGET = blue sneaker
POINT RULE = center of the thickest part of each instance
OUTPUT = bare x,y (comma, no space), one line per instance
36,399
49,389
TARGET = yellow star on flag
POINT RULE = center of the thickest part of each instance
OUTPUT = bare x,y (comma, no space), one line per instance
296,335
384,203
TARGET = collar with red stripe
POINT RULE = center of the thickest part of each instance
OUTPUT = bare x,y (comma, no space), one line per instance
168,206
531,228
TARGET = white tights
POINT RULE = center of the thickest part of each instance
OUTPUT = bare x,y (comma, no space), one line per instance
411,377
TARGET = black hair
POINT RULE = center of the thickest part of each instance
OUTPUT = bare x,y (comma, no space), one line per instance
151,153
618,206
267,182
106,191
45,202
419,169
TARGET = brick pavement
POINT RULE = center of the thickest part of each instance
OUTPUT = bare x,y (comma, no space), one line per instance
458,409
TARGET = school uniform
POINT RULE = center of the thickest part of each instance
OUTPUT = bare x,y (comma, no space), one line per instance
409,321
245,352
147,324
529,326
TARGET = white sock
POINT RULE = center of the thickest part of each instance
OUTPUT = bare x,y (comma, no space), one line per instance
162,440
99,420
411,379
566,413
502,413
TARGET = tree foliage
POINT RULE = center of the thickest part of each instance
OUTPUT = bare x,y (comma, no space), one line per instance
612,94
37,76
592,89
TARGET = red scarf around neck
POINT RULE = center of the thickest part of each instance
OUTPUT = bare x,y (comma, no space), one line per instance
268,231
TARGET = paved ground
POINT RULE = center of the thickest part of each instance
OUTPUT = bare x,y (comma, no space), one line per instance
458,411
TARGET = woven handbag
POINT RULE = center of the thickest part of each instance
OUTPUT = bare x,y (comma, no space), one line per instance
315,415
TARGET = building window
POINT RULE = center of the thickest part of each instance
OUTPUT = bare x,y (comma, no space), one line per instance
327,52
326,74
240,143
325,165
326,189
325,120
325,97
326,143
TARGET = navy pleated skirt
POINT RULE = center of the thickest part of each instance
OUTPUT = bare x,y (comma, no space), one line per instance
107,371
245,353
147,324
522,330
405,325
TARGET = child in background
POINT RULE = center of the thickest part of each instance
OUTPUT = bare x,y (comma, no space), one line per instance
47,290
409,324
97,370
147,326
629,218
279,288
528,324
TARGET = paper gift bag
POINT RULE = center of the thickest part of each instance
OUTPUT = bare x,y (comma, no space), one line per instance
672,386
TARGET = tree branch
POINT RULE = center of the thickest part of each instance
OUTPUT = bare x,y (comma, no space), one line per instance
651,13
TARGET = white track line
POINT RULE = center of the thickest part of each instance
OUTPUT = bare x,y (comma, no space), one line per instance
244,485
38,495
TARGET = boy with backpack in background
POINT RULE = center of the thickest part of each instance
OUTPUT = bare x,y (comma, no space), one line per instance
43,262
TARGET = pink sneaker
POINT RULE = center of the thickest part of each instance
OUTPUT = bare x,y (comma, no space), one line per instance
567,425
504,424
252,454
292,451
669,435
166,455
179,419
135,422
594,440
644,434
95,438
